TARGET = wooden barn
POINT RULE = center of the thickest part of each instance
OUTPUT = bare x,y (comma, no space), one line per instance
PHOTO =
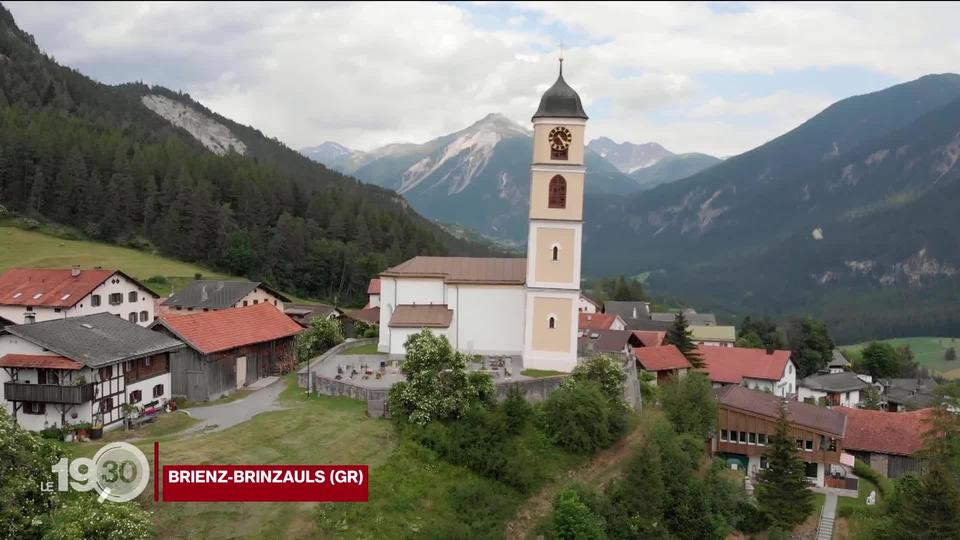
228,349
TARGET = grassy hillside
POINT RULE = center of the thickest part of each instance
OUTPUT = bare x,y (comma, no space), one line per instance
20,248
928,352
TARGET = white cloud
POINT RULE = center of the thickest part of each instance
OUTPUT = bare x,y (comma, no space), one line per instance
366,74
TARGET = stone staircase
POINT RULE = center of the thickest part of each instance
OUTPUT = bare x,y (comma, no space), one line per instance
827,517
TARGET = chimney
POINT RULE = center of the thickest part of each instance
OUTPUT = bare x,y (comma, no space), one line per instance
770,350
75,271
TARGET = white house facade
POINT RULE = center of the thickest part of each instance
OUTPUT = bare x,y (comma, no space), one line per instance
82,370
29,295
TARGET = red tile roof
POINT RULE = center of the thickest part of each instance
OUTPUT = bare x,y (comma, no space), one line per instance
226,329
374,287
798,413
884,432
40,361
731,364
596,321
662,358
48,287
650,338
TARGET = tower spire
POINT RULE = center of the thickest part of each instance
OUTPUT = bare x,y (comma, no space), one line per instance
561,59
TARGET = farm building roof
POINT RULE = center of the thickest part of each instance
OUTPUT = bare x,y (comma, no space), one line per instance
214,331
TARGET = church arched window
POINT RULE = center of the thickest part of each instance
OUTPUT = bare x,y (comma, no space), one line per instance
556,253
557,192
552,322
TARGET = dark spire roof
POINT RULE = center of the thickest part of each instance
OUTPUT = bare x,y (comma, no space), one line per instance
560,101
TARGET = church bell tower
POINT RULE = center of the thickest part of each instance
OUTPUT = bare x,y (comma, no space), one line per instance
555,230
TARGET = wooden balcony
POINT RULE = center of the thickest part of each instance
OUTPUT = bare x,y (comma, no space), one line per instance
48,393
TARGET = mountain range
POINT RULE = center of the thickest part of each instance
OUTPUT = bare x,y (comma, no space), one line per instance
851,216
478,177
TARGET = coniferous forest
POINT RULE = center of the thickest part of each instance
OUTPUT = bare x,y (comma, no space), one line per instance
93,157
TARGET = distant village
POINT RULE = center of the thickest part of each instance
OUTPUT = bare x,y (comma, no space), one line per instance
95,348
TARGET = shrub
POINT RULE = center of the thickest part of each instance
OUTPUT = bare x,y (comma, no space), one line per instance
573,520
950,354
864,471
322,335
690,405
516,411
750,520
577,418
603,370
437,385
53,432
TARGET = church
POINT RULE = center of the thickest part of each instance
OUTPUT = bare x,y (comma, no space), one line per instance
509,306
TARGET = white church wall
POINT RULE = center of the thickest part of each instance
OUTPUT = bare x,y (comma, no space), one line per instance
488,319
418,291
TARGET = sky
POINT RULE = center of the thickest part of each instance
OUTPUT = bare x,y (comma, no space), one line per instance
719,78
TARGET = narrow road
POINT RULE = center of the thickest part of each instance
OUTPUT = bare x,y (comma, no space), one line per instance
218,417
595,473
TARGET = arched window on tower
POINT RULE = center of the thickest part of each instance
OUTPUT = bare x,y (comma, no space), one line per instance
556,253
552,323
557,192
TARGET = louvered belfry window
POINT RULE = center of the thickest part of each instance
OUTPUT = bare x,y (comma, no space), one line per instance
558,192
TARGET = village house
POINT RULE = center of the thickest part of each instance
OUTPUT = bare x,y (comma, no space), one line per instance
886,441
304,314
373,293
632,313
748,421
600,321
30,295
665,362
907,394
586,305
758,369
713,335
82,370
228,349
212,295
614,342
835,389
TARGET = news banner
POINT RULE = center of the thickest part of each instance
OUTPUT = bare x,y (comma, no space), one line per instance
120,472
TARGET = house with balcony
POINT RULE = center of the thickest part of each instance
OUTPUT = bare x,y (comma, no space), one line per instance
747,422
82,369
29,295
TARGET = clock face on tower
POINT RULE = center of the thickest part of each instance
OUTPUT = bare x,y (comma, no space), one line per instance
560,138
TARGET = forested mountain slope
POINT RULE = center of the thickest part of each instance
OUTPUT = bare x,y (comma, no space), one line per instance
141,165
